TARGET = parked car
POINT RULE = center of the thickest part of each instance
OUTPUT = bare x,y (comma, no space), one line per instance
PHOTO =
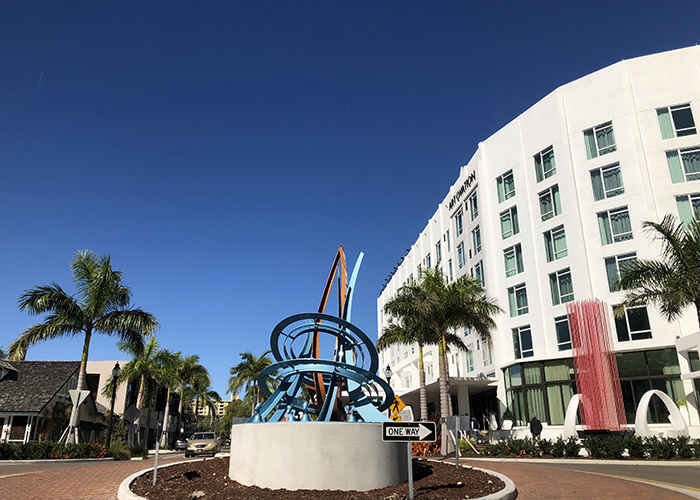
202,443
181,443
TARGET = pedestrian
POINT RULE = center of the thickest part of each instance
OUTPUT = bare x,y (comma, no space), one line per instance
475,429
535,427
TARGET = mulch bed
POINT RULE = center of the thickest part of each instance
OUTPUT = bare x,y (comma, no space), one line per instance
208,480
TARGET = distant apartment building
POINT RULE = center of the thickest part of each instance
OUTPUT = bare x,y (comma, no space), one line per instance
219,407
547,211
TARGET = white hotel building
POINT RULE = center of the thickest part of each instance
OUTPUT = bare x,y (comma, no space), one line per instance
544,213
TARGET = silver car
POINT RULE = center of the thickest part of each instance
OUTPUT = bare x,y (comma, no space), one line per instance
202,443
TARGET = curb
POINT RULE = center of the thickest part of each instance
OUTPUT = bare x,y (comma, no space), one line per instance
507,493
661,463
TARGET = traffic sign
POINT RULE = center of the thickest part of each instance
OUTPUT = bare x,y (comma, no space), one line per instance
408,431
396,408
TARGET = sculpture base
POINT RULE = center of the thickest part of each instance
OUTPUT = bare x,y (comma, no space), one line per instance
316,456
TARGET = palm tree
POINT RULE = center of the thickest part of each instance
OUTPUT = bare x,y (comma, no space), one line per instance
147,365
169,365
101,305
2,354
245,375
441,307
202,391
671,283
186,374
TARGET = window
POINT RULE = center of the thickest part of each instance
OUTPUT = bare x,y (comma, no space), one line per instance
555,244
506,186
509,223
479,272
460,255
561,286
476,240
544,164
459,223
449,264
487,358
684,164
427,261
607,182
633,325
615,226
550,203
517,300
474,206
676,121
513,257
438,251
561,326
419,269
447,236
614,266
599,140
470,358
688,208
522,342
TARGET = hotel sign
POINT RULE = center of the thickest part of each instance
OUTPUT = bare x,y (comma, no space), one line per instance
462,189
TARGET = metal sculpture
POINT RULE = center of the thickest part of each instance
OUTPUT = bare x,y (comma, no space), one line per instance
342,388
596,366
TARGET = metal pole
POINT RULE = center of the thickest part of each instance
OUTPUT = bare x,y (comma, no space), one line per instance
111,412
410,471
457,442
155,466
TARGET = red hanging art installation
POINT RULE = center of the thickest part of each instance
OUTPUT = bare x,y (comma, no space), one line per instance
595,366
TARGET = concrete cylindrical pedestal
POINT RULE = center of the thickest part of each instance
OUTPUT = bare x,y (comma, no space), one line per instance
316,456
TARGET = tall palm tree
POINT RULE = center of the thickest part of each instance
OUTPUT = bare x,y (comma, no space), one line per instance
442,307
202,391
101,305
245,375
187,372
169,365
671,282
146,364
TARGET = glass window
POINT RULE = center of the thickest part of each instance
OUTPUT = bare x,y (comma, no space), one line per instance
513,257
517,300
459,222
479,272
516,378
561,326
545,166
470,358
561,286
614,266
694,358
509,223
486,358
559,370
449,264
599,140
460,255
676,121
474,206
615,226
438,251
663,362
607,182
505,186
633,325
476,240
447,237
427,261
555,244
684,164
550,203
688,208
522,343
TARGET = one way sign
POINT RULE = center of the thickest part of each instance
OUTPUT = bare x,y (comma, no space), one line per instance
408,431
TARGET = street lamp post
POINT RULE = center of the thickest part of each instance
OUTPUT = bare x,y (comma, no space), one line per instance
116,371
388,373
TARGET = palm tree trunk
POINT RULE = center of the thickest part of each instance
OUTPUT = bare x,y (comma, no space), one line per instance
196,412
166,427
180,420
139,407
421,383
444,398
82,382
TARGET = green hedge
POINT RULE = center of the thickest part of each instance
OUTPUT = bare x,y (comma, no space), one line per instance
610,448
50,450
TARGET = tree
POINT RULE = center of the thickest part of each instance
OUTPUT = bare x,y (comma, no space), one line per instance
440,307
2,354
237,408
245,375
671,282
101,305
186,373
202,391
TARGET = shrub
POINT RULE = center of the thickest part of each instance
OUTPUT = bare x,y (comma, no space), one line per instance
118,450
636,447
497,448
696,448
684,449
139,450
545,446
572,447
558,448
464,446
661,448
614,447
595,448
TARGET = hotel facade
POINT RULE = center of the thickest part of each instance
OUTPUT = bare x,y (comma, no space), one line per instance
545,212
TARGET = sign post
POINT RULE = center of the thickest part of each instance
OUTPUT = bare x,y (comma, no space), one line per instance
409,432
456,424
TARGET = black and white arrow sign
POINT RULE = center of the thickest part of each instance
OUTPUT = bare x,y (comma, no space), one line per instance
408,431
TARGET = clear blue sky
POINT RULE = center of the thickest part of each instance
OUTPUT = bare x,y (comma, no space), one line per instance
221,151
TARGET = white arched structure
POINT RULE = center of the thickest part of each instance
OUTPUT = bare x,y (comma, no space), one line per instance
570,418
641,427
